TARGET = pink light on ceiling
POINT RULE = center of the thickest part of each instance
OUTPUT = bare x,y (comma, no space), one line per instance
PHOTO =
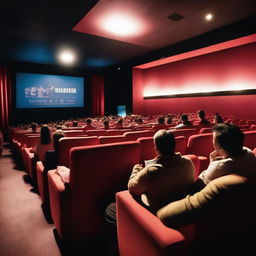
115,21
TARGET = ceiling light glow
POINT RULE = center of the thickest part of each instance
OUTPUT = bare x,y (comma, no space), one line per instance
209,16
121,25
66,57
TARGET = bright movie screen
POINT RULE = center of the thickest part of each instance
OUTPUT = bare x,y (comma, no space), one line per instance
48,91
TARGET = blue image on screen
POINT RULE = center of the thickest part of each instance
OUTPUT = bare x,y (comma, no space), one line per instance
121,110
48,91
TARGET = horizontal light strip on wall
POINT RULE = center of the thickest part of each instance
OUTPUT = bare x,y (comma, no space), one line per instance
203,94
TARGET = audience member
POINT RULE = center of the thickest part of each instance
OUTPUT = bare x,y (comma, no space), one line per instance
229,156
165,179
45,143
75,124
169,177
119,124
160,124
33,127
169,119
106,124
52,156
88,125
201,115
217,119
185,123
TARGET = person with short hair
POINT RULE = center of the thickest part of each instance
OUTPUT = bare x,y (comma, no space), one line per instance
185,123
217,119
33,127
106,124
160,124
229,156
201,116
166,179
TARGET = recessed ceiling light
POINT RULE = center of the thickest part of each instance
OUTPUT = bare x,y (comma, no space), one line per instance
121,25
208,16
66,57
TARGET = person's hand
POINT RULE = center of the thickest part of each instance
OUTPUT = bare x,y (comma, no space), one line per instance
214,156
138,166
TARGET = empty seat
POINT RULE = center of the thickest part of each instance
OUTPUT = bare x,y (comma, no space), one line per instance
205,130
65,144
138,134
111,139
77,206
250,139
201,145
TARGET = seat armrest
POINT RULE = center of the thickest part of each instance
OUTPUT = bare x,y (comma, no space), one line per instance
142,233
59,203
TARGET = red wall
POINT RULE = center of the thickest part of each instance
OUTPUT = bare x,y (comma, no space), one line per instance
230,69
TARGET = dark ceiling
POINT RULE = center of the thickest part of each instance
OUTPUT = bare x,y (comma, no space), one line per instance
32,31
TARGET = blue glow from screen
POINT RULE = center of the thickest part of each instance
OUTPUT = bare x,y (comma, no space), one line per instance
48,91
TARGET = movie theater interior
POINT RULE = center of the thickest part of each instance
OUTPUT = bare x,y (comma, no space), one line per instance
127,127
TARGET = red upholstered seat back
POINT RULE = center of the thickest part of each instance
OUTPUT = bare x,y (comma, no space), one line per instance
147,149
250,139
111,139
32,140
205,130
200,144
95,132
181,144
184,132
73,133
116,132
96,174
138,134
65,144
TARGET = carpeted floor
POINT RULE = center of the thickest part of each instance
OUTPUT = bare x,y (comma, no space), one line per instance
23,227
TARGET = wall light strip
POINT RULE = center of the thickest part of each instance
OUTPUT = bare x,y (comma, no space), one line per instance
203,94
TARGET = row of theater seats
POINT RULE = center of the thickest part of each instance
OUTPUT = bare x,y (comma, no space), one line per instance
99,171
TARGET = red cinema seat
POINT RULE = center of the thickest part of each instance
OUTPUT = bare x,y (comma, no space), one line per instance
253,127
111,139
205,130
116,132
147,149
31,142
96,174
74,133
181,144
223,223
184,132
65,144
130,136
250,122
142,233
96,132
250,139
201,145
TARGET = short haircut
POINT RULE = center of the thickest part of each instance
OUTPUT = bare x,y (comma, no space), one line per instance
88,120
184,117
33,126
56,137
161,120
164,142
201,113
229,137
